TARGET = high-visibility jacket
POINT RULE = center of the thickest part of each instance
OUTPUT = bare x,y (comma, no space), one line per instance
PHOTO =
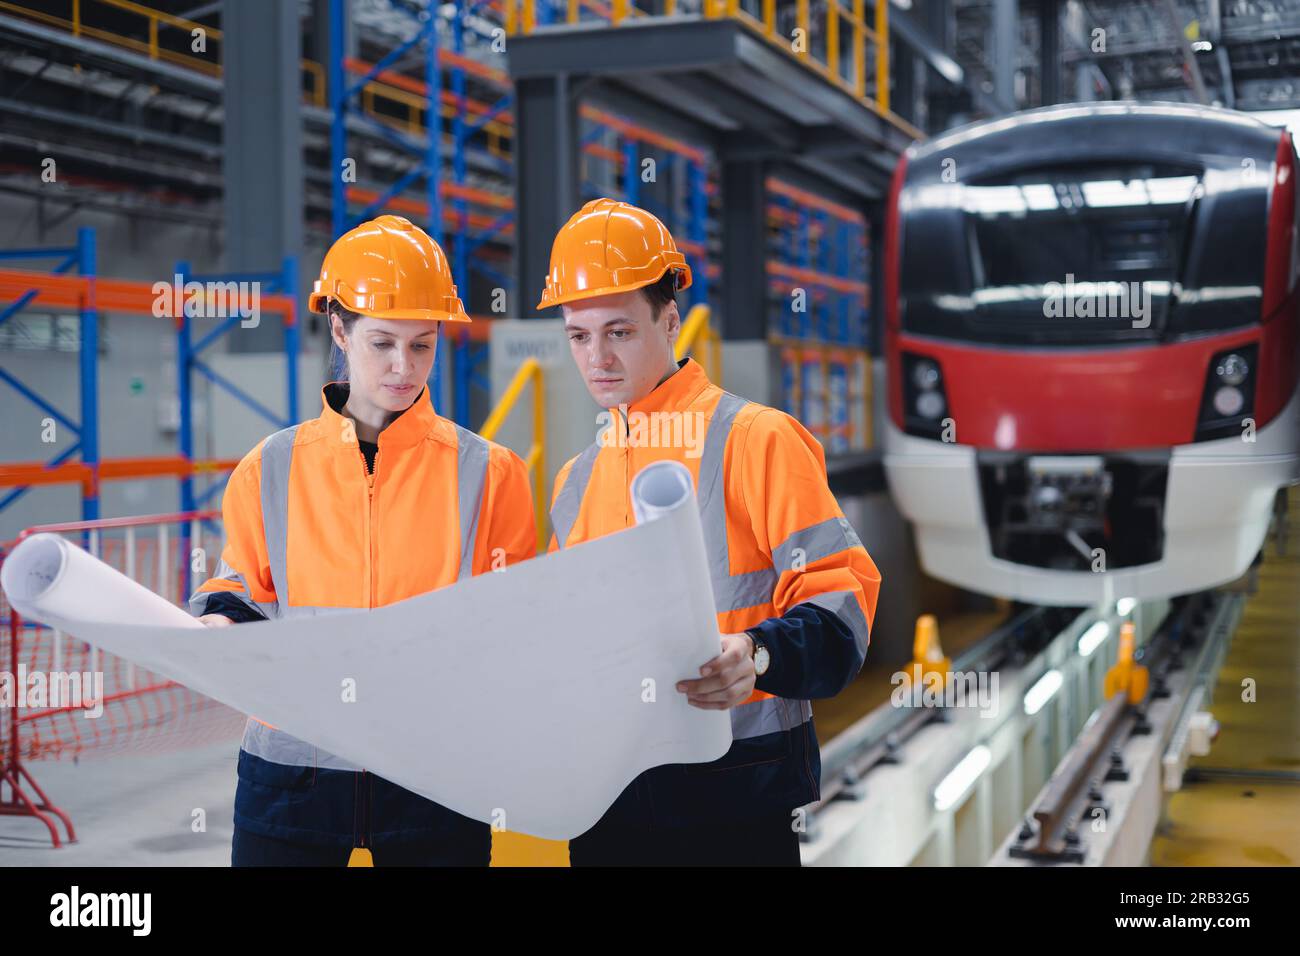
785,566
310,531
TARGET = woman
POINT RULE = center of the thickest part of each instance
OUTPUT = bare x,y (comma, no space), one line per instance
376,500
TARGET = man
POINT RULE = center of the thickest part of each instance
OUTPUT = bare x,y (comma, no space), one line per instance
795,590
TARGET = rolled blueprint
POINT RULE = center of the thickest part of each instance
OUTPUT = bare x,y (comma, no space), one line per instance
48,576
659,488
526,698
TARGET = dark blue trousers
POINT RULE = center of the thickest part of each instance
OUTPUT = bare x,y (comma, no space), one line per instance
305,816
252,849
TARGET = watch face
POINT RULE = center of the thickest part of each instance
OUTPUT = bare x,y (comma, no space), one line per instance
761,660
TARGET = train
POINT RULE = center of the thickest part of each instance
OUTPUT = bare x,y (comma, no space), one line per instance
1091,341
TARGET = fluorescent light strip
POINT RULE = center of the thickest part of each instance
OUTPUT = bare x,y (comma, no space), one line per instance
959,780
1044,689
1093,638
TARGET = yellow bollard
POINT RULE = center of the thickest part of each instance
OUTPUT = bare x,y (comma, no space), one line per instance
1126,676
361,857
927,654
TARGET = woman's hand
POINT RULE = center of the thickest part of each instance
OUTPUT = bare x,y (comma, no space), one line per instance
216,620
727,680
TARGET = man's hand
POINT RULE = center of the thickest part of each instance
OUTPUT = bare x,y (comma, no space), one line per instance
216,620
725,681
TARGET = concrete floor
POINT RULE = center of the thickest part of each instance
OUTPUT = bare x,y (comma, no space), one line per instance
1250,820
132,810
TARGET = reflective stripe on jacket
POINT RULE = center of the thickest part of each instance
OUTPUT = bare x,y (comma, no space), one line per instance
774,535
309,531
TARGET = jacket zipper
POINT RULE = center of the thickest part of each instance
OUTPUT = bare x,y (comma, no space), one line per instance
368,525
369,517
365,810
371,550
628,518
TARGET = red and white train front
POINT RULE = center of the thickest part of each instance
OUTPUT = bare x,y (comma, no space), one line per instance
1092,342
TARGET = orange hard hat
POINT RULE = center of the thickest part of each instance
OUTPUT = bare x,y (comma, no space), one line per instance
610,246
388,268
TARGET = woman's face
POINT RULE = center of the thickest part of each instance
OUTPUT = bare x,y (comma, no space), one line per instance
388,360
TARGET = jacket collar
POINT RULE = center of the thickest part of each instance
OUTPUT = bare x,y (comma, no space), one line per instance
678,391
408,428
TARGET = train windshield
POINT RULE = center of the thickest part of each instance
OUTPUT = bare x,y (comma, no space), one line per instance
1076,254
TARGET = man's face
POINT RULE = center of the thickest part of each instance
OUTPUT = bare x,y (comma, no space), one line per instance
620,350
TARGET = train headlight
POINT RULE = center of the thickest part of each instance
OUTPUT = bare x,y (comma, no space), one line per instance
1231,369
1228,397
926,376
925,399
929,404
1228,401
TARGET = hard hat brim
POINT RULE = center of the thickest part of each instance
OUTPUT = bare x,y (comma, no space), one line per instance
316,302
683,270
436,315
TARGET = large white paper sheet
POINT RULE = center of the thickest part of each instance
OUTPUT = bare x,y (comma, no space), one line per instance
527,698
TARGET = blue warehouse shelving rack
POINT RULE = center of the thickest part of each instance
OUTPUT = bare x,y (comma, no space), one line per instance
818,267
92,295
18,291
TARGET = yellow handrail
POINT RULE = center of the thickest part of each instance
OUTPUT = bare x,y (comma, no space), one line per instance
859,49
840,16
317,74
801,21
882,54
535,460
415,103
152,48
156,16
833,39
697,327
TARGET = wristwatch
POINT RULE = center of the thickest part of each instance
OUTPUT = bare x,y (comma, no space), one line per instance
762,659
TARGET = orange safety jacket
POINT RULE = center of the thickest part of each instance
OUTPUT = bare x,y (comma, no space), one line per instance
779,547
310,531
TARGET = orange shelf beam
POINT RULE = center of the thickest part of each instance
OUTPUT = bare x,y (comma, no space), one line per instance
109,469
106,295
813,277
813,200
419,207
